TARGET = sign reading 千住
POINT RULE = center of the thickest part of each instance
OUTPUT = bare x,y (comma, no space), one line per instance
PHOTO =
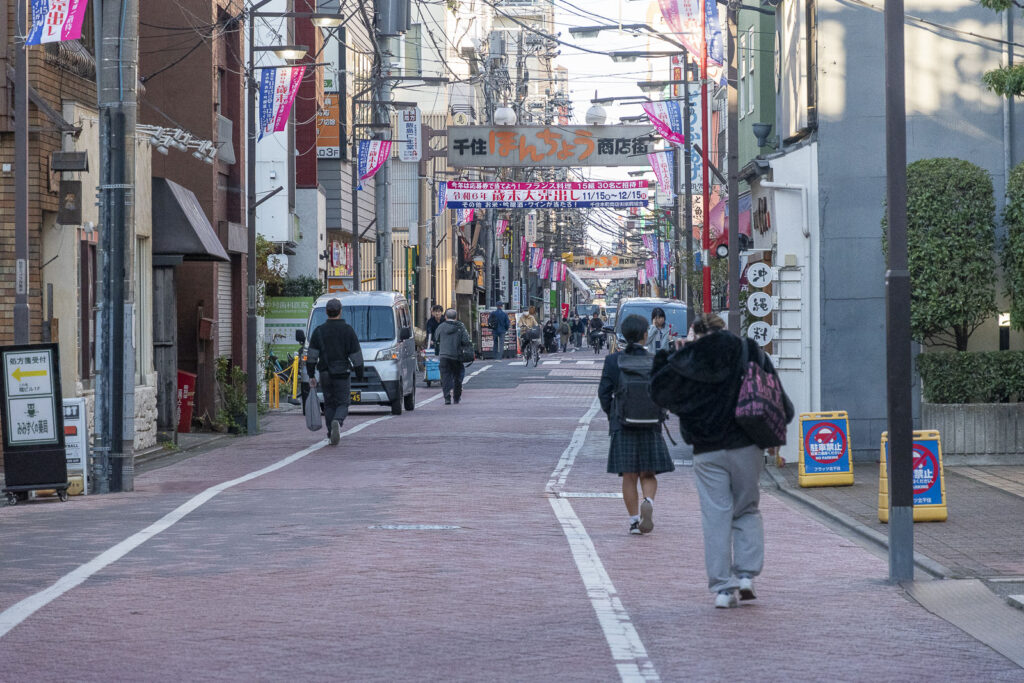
543,146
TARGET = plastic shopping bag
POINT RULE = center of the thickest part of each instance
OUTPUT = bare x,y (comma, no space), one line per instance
314,420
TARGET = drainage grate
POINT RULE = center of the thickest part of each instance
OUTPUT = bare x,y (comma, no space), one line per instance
415,527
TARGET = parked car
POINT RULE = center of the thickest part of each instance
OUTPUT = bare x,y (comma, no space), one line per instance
675,315
382,323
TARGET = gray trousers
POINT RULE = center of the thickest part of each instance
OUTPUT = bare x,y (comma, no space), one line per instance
727,483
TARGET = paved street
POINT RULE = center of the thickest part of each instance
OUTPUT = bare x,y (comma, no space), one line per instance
481,541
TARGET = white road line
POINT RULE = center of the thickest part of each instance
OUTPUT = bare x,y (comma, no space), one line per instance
627,649
19,612
551,362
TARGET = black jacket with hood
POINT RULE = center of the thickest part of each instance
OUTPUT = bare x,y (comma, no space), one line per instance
709,383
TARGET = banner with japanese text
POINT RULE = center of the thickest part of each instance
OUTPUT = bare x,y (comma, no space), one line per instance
546,146
55,20
667,119
684,18
664,166
487,195
372,155
442,197
463,216
278,87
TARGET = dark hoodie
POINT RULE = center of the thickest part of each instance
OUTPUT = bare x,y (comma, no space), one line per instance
710,383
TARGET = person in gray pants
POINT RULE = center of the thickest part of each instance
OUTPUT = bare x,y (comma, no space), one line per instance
726,462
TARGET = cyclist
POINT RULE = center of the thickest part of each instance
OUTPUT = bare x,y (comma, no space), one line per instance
529,332
596,327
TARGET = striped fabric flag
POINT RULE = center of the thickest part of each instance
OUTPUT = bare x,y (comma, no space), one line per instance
500,227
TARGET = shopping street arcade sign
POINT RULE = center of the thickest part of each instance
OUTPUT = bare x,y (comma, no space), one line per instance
547,146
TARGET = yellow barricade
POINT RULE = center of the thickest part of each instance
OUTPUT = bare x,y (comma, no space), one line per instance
929,478
825,455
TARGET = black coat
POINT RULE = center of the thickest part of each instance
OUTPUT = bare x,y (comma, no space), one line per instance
610,383
710,377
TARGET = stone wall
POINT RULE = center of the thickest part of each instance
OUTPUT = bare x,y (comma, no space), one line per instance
977,433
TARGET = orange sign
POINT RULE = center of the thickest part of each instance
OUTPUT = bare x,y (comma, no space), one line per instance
601,261
327,128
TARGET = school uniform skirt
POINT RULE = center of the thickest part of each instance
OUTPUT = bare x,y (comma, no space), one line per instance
638,450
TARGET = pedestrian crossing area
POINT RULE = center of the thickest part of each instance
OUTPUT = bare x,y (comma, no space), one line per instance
570,362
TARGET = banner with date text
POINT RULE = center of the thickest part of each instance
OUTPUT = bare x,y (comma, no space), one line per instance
557,195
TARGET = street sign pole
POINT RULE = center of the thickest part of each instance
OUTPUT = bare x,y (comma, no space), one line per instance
704,147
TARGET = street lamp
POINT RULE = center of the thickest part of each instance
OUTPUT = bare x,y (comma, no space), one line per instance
633,55
289,52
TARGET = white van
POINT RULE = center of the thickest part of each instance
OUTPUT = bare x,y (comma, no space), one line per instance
383,326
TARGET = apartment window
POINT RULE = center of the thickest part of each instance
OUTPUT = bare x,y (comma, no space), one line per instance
414,50
750,80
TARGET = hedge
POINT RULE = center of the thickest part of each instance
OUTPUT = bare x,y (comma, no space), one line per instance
972,377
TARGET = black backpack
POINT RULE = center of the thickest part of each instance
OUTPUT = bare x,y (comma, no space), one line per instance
633,404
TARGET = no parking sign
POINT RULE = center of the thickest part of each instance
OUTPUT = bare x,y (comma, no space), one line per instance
825,449
928,480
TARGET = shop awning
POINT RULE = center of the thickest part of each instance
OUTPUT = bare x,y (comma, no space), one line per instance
587,293
180,227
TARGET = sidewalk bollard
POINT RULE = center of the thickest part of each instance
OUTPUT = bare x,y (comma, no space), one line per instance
825,458
295,377
929,479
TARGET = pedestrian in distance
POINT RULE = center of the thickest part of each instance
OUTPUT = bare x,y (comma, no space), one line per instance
637,452
658,332
334,351
433,321
450,336
563,334
499,324
727,463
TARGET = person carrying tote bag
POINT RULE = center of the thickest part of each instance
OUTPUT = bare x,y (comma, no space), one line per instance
708,374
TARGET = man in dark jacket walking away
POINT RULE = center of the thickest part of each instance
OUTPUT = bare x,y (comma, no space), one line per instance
450,336
499,324
334,351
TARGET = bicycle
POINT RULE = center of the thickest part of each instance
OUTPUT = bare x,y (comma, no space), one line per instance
596,338
531,347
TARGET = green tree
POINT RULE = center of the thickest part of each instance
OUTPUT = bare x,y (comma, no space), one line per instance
1013,246
951,242
1007,81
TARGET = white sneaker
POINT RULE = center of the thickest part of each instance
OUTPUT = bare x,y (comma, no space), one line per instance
646,516
747,588
726,599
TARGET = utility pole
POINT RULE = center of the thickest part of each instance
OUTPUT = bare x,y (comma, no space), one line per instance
116,95
897,313
382,119
21,312
732,163
705,140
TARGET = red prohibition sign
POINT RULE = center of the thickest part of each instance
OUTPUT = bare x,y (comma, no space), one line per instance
924,458
825,433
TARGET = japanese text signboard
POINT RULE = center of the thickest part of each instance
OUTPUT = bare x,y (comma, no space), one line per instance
543,146
928,480
328,134
478,195
33,417
410,147
825,449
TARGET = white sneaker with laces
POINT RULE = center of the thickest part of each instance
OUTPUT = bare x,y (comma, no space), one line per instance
747,588
726,599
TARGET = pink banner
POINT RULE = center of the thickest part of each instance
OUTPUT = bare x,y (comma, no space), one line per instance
545,268
500,227
55,20
663,165
522,249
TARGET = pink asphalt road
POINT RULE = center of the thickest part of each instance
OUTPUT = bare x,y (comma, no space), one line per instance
455,543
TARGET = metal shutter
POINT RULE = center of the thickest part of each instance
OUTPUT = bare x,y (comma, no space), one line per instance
225,295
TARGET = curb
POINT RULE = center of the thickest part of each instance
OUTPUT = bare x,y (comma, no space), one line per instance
922,562
1016,601
158,453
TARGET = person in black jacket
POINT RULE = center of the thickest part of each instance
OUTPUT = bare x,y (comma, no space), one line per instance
634,454
432,322
334,351
726,462
450,337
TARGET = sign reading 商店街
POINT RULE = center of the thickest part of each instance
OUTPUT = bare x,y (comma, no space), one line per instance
543,146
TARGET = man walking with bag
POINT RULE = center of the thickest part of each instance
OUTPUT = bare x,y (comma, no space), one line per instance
334,351
455,348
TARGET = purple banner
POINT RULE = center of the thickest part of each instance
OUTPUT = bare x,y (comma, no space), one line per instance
372,155
667,119
664,166
55,20
278,87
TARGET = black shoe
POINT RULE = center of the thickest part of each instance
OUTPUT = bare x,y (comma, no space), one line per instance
335,435
457,399
634,528
447,401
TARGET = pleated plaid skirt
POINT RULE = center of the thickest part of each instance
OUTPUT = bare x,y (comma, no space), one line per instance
638,450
